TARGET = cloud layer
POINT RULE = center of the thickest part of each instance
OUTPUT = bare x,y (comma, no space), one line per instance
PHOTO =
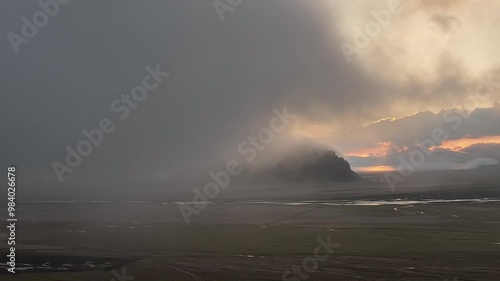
226,77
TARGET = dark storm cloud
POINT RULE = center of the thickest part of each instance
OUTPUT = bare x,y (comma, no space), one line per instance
226,77
225,80
489,150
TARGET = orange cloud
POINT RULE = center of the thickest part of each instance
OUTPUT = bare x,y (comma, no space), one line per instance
380,150
459,144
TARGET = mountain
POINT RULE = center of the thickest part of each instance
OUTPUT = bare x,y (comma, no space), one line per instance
305,164
316,165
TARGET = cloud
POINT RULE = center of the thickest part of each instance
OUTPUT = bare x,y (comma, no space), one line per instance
381,149
491,150
225,80
479,162
468,136
441,4
444,21
463,143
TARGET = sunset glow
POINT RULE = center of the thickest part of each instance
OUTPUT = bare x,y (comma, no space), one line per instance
380,150
459,144
374,169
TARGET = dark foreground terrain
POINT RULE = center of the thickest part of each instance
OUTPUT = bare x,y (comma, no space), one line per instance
268,234
419,242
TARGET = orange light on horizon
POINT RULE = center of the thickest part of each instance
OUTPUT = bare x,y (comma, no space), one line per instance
374,169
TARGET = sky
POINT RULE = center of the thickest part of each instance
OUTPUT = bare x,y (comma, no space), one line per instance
373,96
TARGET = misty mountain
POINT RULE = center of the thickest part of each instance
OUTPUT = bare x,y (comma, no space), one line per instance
307,164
